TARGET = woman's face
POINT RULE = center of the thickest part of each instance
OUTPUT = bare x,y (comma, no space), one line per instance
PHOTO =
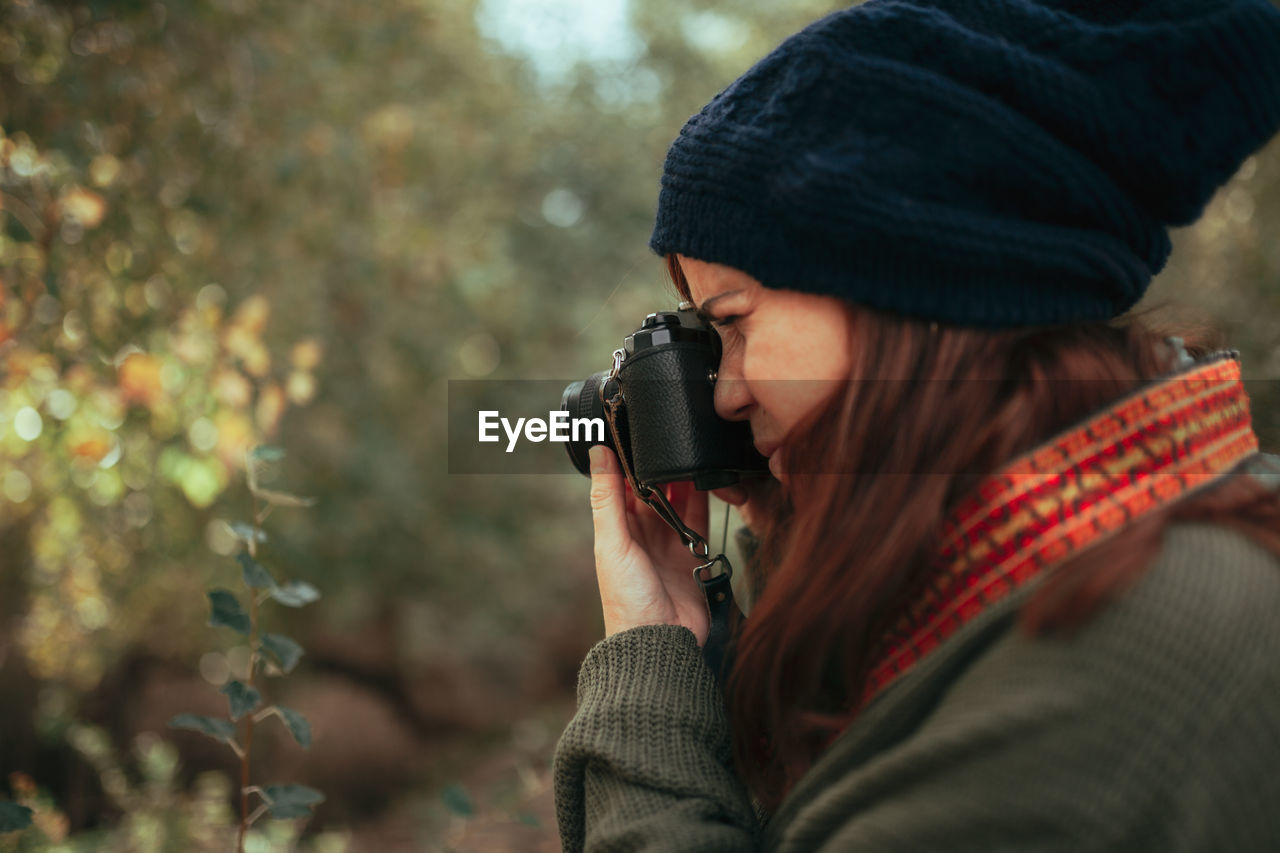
785,352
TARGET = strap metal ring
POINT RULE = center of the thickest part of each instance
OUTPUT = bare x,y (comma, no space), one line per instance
698,573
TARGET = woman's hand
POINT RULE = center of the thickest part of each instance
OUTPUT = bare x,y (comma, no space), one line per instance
645,572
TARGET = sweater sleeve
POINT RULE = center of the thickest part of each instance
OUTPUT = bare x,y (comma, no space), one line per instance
645,762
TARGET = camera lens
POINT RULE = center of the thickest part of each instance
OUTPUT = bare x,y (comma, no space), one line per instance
582,400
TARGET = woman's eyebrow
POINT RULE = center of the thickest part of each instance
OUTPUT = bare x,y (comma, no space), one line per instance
707,304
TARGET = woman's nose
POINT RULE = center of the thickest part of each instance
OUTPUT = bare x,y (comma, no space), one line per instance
732,396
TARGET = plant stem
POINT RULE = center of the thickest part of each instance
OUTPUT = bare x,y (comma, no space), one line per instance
245,818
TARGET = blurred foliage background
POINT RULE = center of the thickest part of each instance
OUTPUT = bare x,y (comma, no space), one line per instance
225,223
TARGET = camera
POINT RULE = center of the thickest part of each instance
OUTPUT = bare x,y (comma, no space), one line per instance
668,429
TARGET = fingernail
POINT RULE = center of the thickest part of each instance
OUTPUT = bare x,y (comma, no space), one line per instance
599,464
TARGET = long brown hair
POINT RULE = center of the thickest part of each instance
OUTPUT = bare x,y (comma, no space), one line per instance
843,554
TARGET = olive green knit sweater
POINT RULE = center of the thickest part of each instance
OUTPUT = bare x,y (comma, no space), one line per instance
1156,727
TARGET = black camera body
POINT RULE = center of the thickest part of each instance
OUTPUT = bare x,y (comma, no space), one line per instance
667,425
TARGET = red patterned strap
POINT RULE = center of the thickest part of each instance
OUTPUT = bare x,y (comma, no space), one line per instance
1161,443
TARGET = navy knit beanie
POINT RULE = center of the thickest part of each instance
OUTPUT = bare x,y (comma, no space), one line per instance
978,162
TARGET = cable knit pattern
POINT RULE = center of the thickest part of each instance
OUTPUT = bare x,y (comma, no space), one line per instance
981,162
650,743
1156,727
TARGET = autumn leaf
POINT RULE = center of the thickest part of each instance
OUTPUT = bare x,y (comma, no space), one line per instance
84,207
92,449
139,378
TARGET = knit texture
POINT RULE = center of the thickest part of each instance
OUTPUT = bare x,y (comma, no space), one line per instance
1156,727
667,743
980,162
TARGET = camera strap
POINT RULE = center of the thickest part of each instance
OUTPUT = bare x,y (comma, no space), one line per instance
719,594
716,589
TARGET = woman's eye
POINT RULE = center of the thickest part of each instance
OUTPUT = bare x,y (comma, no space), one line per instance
727,320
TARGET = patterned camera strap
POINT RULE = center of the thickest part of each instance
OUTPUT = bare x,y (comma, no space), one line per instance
1158,445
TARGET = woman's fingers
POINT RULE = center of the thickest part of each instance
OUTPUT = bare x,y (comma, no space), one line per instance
620,518
641,565
691,505
608,504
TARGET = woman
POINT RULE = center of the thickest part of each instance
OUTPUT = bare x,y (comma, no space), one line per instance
1019,564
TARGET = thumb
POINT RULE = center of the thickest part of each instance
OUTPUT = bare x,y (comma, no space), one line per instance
608,500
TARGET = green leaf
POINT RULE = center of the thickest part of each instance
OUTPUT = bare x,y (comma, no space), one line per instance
255,576
267,453
215,728
247,532
290,801
297,726
13,816
225,612
457,800
284,651
242,698
296,594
